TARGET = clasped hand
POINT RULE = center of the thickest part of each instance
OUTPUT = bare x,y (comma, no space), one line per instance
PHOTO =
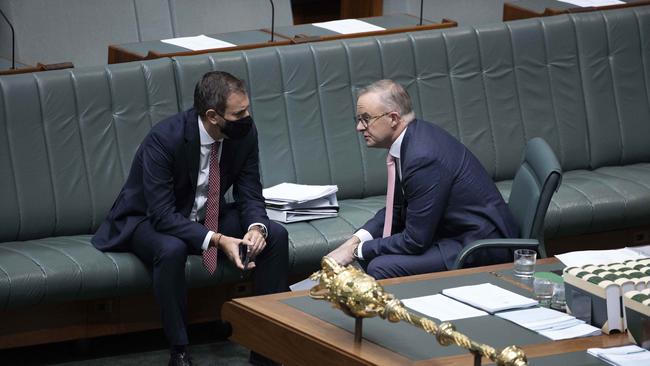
253,240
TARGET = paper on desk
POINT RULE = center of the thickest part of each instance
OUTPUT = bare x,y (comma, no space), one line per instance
550,323
592,3
489,297
581,258
622,356
442,307
349,26
198,43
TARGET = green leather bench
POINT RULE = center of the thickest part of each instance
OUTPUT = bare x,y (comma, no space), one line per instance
580,81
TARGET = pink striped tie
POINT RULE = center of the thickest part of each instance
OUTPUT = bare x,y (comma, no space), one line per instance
390,195
212,207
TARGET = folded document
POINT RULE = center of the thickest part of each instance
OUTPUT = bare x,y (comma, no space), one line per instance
622,356
289,202
489,297
550,323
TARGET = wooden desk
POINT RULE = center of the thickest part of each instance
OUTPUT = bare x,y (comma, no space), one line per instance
270,326
23,69
541,8
395,23
156,49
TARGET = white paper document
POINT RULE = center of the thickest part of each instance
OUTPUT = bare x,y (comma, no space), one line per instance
489,297
442,307
302,215
584,257
622,356
349,26
297,193
550,323
198,43
592,3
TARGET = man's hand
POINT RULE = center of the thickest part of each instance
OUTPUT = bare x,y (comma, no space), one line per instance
343,255
230,246
255,237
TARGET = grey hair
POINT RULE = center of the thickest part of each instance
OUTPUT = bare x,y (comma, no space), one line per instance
392,94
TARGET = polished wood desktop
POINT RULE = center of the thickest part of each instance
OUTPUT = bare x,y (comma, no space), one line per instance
394,23
39,67
268,325
524,9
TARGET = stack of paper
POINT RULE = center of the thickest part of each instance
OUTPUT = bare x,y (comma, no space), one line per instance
489,297
622,356
550,323
595,257
289,202
442,307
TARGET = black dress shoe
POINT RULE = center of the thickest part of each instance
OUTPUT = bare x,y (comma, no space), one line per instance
259,360
180,359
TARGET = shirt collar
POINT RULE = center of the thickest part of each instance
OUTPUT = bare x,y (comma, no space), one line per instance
396,147
204,136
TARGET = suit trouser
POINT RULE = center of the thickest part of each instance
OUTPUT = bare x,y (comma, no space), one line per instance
398,265
166,256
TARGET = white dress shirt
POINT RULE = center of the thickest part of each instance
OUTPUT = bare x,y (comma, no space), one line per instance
198,209
394,150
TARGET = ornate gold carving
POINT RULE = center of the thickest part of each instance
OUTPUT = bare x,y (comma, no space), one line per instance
360,296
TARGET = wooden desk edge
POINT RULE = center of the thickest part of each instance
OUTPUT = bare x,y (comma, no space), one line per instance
516,12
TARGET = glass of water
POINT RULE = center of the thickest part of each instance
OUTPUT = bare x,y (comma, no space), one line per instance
525,263
543,289
558,302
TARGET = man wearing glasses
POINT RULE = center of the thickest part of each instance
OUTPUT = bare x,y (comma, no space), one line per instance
439,197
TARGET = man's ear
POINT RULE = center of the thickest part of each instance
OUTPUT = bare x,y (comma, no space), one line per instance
211,116
394,119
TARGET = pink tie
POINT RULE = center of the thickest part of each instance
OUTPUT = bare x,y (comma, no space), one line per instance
390,195
212,207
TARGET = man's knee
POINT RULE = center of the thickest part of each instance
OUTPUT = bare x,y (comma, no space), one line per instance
172,250
378,268
278,234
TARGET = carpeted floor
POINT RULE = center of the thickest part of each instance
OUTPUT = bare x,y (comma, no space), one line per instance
137,349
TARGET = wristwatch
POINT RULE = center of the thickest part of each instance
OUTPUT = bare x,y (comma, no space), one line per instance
355,252
262,229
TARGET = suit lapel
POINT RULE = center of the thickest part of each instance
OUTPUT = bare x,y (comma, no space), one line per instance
192,145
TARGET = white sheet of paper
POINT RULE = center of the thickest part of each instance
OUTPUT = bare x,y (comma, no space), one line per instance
291,192
576,331
198,43
550,323
590,3
624,356
539,318
489,297
584,257
442,307
349,26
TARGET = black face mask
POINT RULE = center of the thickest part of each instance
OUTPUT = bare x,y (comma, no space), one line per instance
237,130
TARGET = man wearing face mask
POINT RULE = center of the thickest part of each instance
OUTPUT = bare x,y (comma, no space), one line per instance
172,204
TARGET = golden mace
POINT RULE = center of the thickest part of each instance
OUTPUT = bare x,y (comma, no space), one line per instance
360,296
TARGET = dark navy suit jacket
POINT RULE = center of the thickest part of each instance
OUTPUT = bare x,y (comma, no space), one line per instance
161,186
446,198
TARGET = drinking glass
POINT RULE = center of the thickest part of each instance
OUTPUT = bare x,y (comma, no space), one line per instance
543,289
525,263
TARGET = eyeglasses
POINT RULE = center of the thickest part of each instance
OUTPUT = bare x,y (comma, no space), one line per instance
366,119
